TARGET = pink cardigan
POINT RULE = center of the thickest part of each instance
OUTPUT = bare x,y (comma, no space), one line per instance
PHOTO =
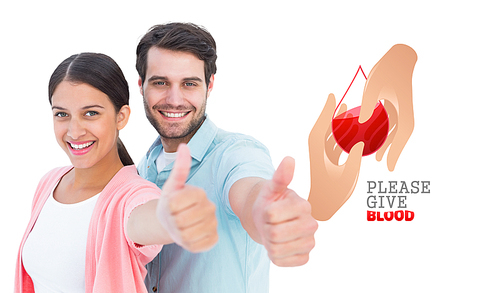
113,262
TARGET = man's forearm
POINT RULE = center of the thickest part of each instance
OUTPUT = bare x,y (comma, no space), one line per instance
242,197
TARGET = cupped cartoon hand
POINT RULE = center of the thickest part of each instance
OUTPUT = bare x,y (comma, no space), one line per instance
331,184
184,210
391,80
283,219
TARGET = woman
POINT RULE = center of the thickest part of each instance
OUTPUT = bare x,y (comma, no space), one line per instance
95,224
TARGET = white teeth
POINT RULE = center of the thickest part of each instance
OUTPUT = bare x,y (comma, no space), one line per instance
81,146
173,115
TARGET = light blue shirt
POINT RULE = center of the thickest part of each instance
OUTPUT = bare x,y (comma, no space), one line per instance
236,263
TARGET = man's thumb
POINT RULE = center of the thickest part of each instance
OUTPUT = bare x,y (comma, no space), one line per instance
180,171
281,179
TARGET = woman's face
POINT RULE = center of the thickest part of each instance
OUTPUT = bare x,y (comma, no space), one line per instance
86,124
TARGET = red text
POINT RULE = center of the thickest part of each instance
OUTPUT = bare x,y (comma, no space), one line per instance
399,215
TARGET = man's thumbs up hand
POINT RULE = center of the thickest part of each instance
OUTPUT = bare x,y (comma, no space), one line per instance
184,211
276,187
283,219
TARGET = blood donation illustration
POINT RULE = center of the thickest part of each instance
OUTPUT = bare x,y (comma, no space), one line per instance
385,118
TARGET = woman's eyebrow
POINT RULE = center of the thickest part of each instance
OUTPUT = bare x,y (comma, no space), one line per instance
83,108
92,106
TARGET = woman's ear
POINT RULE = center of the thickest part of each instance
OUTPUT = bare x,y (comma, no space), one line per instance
122,117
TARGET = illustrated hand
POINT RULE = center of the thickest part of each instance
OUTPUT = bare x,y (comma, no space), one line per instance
184,210
391,80
331,184
283,219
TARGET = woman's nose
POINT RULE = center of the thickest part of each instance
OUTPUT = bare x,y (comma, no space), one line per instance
75,129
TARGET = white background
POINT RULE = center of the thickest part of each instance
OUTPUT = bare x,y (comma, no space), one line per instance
278,61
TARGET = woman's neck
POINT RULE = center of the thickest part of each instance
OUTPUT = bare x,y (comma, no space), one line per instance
82,183
97,176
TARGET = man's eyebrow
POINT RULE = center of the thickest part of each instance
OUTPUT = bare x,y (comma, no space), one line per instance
193,78
156,77
163,78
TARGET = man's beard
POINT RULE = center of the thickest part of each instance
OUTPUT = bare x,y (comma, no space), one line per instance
192,126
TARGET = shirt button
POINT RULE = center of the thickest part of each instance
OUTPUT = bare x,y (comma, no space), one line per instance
155,289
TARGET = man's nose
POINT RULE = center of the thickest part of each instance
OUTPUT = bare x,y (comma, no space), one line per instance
174,96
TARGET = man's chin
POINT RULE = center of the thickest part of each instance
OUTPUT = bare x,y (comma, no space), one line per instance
174,136
176,130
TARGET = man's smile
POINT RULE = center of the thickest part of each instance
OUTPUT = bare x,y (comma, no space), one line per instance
174,114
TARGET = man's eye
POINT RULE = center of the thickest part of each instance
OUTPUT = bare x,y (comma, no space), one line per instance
91,113
159,83
190,84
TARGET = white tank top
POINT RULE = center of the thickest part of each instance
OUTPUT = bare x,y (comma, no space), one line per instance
54,253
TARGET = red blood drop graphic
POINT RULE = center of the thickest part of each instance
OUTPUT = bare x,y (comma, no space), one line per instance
347,130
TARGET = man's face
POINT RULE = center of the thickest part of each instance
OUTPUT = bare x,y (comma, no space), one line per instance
175,94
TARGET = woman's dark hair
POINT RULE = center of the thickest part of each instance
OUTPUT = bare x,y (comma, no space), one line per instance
101,72
177,36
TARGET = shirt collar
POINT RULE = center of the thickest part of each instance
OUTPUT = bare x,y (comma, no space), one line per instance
201,140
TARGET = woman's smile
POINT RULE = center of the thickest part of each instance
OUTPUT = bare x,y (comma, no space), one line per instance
80,148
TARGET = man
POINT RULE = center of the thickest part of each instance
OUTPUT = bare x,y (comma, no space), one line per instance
258,217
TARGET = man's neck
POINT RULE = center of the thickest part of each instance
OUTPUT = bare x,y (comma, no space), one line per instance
170,144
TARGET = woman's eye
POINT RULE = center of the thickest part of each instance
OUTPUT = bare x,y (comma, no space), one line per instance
91,113
61,114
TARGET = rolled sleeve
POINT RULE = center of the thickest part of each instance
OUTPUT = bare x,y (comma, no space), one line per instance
244,158
145,253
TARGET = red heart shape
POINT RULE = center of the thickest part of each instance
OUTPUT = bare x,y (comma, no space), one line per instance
347,130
